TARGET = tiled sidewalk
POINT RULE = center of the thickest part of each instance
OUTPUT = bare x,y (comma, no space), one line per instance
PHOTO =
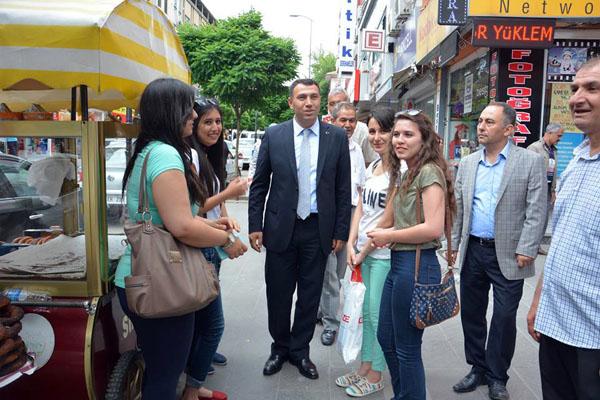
246,343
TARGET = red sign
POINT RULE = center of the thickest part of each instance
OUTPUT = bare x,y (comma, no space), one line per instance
524,33
373,40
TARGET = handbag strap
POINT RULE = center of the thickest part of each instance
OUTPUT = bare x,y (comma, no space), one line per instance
447,232
143,202
418,250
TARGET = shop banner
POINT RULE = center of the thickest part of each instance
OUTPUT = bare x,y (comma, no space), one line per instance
429,33
346,39
406,45
499,32
565,59
535,9
452,12
565,147
521,84
559,107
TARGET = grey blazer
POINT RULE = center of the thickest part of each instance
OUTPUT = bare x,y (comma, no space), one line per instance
519,214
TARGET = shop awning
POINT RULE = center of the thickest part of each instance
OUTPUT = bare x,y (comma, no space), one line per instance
114,47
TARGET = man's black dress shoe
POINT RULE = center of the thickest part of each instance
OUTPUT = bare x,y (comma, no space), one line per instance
498,391
306,368
469,383
273,364
328,337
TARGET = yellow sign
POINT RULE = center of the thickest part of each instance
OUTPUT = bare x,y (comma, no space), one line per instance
559,107
429,33
535,8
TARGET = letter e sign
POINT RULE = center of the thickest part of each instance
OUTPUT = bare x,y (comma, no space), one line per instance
373,40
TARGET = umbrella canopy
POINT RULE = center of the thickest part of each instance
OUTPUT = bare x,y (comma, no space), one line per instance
114,47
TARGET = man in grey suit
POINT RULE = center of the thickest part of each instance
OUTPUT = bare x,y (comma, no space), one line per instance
501,204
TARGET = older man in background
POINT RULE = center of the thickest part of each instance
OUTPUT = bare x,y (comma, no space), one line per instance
546,146
361,132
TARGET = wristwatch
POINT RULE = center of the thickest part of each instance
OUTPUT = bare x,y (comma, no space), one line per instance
231,238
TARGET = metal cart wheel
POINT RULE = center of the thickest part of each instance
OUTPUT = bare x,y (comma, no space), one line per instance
125,381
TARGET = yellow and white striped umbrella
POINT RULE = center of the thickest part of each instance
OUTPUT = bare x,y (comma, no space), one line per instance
114,47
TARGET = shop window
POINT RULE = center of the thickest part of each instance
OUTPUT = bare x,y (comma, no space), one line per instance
468,97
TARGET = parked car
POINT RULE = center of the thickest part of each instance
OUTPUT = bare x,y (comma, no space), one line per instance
21,206
245,152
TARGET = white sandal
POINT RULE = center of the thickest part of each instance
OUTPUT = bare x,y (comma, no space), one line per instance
364,388
348,379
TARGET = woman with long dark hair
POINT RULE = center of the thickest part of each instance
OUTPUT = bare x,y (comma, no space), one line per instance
415,141
209,160
375,266
175,192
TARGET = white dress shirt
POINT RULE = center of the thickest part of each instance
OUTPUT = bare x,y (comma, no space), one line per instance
313,142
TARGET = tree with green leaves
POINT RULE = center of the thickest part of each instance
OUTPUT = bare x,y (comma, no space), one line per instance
323,63
238,61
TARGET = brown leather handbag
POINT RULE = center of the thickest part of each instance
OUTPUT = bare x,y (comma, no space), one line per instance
168,278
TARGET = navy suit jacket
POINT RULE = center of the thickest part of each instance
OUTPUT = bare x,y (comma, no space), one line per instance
276,174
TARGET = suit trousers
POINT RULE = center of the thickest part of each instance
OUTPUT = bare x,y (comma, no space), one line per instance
300,266
480,270
568,372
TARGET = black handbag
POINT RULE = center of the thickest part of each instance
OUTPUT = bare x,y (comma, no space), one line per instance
433,303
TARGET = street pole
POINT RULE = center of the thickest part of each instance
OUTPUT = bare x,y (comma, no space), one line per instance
309,41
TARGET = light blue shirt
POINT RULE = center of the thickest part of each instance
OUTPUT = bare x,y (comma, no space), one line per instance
313,142
487,183
569,308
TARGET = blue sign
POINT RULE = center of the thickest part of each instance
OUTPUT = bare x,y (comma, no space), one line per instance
406,45
565,148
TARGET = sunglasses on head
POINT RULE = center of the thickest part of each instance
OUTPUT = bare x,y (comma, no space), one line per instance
205,101
412,112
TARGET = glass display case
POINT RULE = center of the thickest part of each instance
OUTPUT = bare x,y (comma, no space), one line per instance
61,205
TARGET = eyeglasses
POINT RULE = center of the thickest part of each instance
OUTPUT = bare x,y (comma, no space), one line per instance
411,112
205,101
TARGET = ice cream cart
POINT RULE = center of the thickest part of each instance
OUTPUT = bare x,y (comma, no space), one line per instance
63,66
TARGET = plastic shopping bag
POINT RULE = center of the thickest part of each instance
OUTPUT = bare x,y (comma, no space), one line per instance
351,323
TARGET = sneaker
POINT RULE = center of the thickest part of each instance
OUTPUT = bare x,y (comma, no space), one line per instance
348,379
219,359
364,388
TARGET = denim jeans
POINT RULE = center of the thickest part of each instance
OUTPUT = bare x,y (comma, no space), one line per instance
208,329
165,345
400,341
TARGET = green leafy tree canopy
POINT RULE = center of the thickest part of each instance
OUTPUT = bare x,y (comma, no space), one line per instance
323,63
238,61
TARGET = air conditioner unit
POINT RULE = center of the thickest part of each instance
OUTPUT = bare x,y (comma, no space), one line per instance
394,28
405,8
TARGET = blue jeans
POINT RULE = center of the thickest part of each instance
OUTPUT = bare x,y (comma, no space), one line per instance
165,345
208,329
400,341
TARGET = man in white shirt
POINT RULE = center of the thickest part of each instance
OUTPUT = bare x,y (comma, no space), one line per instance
361,132
344,116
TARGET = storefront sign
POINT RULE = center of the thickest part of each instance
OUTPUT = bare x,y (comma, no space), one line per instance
346,41
493,83
429,33
406,46
373,40
452,12
528,33
559,107
468,107
520,84
565,59
535,8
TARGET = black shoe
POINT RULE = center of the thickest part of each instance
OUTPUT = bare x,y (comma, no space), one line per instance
498,391
219,359
211,370
307,368
469,383
273,364
328,337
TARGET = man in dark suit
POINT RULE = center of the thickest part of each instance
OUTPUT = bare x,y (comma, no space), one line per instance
304,166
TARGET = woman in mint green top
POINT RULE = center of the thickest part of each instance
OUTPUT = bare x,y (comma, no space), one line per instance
175,192
414,140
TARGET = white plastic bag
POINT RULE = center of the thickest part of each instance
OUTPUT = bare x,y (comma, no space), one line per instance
351,323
